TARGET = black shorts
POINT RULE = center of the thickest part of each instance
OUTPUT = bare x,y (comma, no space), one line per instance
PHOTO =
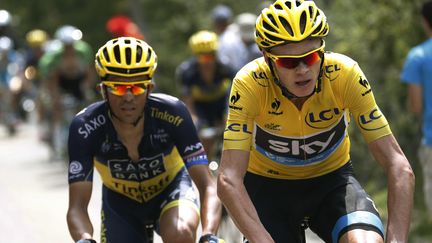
124,220
331,204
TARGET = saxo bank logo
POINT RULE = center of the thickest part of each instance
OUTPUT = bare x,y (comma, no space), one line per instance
372,120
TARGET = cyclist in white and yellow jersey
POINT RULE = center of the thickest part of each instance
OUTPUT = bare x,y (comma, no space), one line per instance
286,154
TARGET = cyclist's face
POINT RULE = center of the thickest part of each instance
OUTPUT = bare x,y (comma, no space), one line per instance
299,76
127,101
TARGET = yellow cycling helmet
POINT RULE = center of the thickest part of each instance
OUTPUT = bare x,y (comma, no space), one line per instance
36,37
203,42
289,21
127,57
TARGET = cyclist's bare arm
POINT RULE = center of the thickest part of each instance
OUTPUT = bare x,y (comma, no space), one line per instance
400,180
78,219
415,99
211,207
234,196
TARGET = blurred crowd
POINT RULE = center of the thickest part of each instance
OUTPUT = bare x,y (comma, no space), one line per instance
49,77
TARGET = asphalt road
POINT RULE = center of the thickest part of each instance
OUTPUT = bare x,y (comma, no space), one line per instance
34,193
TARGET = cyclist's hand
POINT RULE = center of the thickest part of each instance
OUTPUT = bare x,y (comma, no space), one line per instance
210,238
86,241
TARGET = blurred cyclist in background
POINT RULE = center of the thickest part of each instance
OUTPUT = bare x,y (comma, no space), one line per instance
36,41
205,82
11,65
68,82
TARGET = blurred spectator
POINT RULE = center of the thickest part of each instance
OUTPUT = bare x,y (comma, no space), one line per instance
230,43
246,30
123,26
417,73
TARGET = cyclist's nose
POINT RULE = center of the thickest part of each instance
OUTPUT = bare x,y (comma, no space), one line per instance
302,68
128,95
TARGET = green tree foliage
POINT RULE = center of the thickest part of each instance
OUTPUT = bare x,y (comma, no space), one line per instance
378,35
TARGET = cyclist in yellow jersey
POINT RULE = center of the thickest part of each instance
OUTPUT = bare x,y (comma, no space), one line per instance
286,155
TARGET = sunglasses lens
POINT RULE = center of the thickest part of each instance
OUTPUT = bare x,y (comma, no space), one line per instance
138,89
121,89
312,58
288,62
291,62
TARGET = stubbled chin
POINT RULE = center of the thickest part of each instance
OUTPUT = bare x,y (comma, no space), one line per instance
304,88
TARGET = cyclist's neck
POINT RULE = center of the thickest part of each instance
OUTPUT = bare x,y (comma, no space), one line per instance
299,101
128,129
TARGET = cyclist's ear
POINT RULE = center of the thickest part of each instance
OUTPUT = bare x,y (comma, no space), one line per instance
150,87
101,89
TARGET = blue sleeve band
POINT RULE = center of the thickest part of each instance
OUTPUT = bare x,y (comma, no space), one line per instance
358,217
195,160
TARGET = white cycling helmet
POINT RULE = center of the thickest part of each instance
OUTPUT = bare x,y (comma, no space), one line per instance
68,34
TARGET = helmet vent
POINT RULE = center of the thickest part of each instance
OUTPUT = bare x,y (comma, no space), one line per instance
317,30
149,55
298,3
128,52
267,26
138,54
106,56
117,54
279,7
127,41
274,38
286,25
303,22
311,11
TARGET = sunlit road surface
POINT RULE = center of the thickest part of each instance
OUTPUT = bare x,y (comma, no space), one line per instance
34,194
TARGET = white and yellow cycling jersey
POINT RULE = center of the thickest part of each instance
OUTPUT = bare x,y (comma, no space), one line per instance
288,143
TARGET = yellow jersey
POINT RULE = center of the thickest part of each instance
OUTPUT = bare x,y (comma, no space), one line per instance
288,143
